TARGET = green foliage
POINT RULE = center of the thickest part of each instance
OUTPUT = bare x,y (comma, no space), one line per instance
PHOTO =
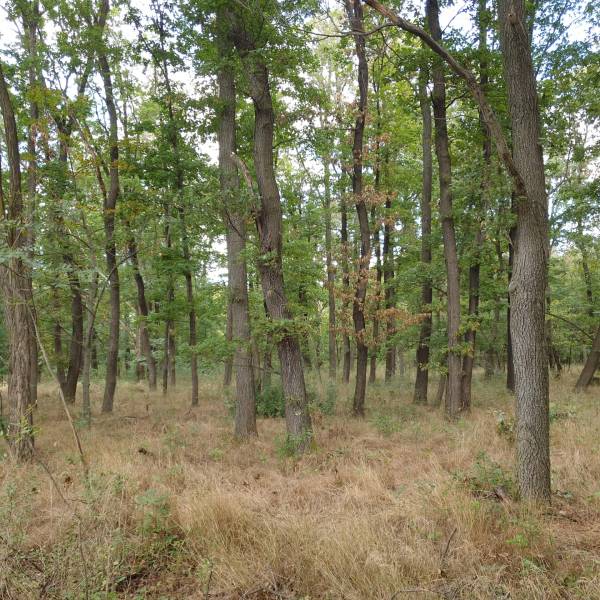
270,402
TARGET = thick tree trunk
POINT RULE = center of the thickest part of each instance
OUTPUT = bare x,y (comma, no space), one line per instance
15,283
422,377
354,11
270,225
110,204
591,364
453,395
530,270
235,221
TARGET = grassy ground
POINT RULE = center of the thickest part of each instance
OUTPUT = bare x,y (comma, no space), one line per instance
399,505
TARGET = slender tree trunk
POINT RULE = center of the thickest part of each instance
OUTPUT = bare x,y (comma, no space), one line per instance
453,396
376,238
346,349
168,366
530,270
31,17
331,335
422,377
474,268
270,225
235,220
142,305
15,283
189,291
591,364
86,407
110,204
354,11
377,245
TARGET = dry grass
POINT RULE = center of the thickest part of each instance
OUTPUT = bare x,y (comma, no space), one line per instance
400,505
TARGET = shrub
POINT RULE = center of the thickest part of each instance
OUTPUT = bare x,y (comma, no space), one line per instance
270,402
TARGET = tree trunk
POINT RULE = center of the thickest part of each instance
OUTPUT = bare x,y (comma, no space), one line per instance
31,17
110,204
355,18
331,335
235,220
346,349
270,224
474,268
15,282
530,270
422,377
142,305
591,364
453,395
86,407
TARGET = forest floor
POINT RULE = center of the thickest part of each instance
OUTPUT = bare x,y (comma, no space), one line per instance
399,505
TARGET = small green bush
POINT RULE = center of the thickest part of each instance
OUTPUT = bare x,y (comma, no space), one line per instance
270,402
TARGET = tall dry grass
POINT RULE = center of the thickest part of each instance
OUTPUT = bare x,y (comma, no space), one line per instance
400,505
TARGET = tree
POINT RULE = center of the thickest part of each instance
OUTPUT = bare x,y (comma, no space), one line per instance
15,279
355,18
453,402
235,216
269,226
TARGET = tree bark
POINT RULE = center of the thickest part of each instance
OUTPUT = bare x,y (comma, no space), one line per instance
346,349
228,366
15,282
422,376
530,270
110,204
31,17
591,364
235,221
355,17
453,403
270,224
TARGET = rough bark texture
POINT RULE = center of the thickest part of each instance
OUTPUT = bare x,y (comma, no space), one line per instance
453,402
422,376
355,17
110,204
235,221
269,224
530,270
15,283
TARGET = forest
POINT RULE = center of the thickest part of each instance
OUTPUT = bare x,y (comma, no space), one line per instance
300,299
